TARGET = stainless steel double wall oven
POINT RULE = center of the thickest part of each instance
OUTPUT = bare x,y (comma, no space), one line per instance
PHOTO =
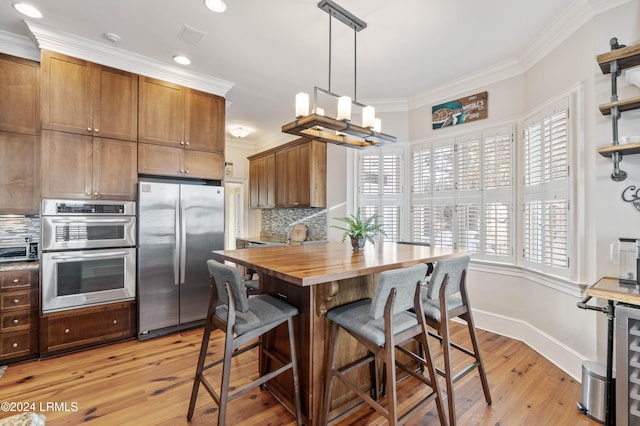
88,253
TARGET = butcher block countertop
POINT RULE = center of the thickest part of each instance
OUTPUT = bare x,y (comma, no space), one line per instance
14,266
312,264
610,289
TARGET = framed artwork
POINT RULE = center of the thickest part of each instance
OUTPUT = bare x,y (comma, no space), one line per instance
459,111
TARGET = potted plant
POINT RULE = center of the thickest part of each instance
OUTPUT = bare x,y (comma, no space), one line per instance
359,230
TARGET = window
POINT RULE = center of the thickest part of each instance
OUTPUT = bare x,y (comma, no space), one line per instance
462,193
546,230
380,188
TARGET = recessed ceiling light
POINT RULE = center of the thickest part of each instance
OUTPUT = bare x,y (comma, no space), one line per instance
216,5
27,9
182,60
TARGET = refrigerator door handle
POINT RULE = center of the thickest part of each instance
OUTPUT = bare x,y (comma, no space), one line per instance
183,242
176,251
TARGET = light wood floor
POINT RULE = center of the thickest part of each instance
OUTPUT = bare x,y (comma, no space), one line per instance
149,383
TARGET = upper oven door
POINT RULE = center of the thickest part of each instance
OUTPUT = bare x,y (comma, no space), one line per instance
81,232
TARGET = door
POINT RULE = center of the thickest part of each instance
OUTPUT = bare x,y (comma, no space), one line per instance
202,231
158,255
67,165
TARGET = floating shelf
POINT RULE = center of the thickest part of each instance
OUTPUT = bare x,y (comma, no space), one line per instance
627,57
627,148
623,105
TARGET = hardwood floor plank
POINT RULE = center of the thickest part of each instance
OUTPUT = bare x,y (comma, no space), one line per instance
149,383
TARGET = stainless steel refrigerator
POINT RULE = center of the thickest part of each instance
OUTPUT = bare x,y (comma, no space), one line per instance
179,224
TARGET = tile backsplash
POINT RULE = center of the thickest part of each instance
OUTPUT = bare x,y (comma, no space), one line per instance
276,222
16,229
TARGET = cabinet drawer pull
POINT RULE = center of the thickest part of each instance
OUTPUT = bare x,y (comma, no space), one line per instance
16,321
67,331
186,171
14,345
16,280
97,130
95,193
186,143
88,129
115,321
181,142
16,301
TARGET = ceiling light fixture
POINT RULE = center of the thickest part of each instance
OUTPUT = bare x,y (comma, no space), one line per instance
239,132
28,10
217,6
182,60
340,130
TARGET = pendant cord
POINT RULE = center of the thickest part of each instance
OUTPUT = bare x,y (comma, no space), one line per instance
355,65
329,52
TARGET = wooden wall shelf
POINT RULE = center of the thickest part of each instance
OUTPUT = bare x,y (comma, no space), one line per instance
627,57
623,105
624,149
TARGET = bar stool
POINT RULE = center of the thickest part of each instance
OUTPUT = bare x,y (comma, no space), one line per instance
440,305
243,320
379,324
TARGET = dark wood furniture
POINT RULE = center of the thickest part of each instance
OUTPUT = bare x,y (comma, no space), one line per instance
80,328
19,303
88,99
290,175
19,127
316,278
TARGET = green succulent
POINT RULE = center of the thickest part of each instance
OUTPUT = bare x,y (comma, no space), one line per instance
356,226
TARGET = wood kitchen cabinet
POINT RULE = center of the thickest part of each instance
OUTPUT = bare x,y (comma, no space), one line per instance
85,167
301,175
180,117
262,181
80,328
19,303
19,174
160,160
88,99
19,95
290,175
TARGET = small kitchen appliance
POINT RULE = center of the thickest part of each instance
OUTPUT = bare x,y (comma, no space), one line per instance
629,260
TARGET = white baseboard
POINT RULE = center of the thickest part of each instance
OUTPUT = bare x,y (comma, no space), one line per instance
556,352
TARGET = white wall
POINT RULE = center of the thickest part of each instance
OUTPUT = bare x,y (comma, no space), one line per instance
539,310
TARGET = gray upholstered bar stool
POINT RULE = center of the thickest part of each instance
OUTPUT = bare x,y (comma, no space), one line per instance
243,320
441,303
379,324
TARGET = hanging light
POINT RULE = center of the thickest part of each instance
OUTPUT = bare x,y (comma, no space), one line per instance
339,130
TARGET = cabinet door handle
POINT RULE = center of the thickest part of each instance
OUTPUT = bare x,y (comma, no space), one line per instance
181,142
14,345
186,143
181,171
88,129
115,321
97,130
95,193
186,171
16,321
67,331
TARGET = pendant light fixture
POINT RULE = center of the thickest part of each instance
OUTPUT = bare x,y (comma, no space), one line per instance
315,124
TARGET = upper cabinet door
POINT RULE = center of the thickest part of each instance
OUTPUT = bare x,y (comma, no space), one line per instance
19,95
88,99
67,100
204,122
115,108
161,112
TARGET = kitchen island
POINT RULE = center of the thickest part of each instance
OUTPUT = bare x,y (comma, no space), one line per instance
316,278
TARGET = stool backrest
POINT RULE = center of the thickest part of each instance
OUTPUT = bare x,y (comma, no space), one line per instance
404,280
221,274
452,267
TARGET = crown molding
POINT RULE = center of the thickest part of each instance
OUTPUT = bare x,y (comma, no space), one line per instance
82,48
387,105
601,6
499,72
20,46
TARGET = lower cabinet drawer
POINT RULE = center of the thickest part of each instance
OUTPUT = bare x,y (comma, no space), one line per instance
23,299
18,320
18,344
80,327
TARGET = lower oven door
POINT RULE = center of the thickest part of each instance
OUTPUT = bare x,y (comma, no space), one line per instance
75,279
